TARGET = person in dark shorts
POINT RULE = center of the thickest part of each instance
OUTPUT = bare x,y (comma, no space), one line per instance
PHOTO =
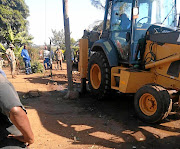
15,129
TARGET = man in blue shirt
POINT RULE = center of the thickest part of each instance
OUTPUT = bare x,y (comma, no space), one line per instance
125,22
26,59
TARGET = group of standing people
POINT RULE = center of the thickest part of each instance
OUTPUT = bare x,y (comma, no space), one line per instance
49,56
12,59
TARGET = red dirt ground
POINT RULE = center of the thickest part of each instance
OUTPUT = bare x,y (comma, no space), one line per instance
86,123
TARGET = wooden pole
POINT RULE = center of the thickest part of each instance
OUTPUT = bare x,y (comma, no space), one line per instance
67,44
50,59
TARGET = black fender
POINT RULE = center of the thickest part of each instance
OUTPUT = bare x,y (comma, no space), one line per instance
109,50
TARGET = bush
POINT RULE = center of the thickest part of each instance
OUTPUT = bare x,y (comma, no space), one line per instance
37,67
34,54
20,62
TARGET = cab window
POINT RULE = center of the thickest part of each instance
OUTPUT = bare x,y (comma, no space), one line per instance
120,26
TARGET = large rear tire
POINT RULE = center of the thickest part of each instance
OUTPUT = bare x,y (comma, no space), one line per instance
99,75
152,103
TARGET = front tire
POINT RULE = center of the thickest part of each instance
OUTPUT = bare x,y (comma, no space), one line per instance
152,103
99,74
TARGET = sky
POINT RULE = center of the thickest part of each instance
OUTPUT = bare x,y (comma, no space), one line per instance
46,15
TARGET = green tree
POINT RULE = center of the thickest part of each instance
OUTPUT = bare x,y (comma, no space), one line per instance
98,25
16,39
58,39
74,46
98,3
13,13
73,41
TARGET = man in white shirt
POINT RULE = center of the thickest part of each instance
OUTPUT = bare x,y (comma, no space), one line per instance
11,58
46,55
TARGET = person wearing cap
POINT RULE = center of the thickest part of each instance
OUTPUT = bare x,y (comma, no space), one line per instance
15,129
26,59
11,58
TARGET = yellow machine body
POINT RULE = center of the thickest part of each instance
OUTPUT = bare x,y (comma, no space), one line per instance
141,58
83,57
127,80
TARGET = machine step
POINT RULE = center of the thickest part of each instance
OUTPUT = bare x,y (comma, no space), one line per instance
115,87
116,74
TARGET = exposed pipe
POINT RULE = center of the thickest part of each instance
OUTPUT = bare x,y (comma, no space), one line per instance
105,15
160,62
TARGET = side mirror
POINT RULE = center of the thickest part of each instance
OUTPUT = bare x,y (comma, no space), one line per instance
135,12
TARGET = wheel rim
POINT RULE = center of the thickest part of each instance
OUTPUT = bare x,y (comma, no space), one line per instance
95,76
148,104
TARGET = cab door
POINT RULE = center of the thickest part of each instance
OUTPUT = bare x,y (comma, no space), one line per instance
120,27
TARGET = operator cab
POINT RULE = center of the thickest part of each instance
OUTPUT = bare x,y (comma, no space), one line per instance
130,20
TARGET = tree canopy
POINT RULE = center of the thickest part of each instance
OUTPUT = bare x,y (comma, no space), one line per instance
13,13
98,3
98,24
58,39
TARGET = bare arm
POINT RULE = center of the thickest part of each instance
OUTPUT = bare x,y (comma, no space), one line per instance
21,121
8,58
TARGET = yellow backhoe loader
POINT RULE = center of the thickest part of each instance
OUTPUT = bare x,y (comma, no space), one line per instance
138,53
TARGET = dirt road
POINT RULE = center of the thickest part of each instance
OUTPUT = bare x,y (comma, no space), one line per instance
86,123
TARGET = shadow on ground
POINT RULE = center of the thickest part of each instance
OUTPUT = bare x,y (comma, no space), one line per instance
58,79
111,123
